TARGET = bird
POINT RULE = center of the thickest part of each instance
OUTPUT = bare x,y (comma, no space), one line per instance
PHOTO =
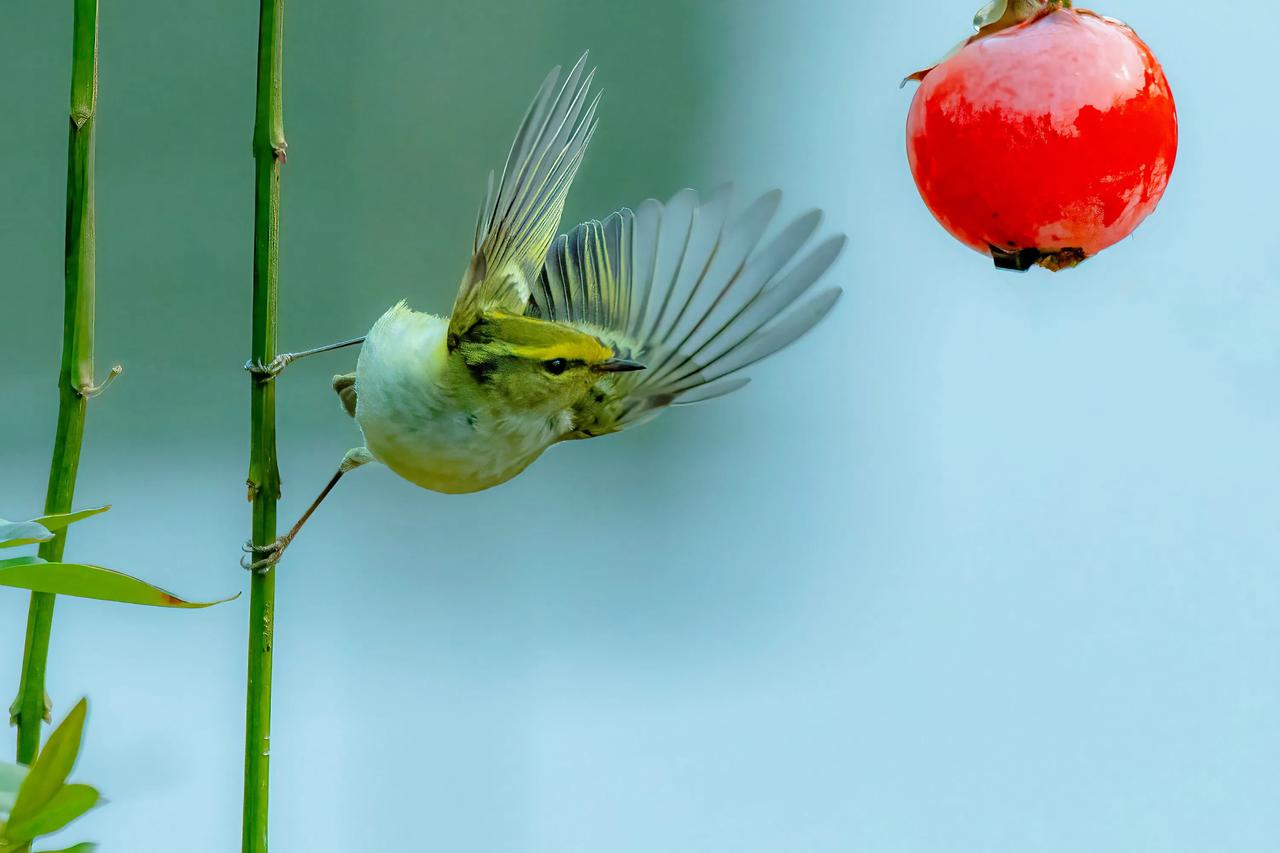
561,337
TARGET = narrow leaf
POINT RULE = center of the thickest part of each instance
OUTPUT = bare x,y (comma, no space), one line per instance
22,561
91,582
86,847
15,533
66,805
61,520
11,776
50,769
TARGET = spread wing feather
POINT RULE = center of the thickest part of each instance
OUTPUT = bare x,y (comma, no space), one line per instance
694,294
522,209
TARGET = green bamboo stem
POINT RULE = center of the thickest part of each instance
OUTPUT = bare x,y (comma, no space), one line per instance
264,475
75,379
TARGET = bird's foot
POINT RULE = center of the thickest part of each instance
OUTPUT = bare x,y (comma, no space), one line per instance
270,370
269,555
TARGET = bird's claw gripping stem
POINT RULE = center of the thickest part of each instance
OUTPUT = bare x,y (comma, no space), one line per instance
270,370
270,554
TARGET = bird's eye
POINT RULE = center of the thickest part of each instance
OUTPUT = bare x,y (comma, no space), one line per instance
556,366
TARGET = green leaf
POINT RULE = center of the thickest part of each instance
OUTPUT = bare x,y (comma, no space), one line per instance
11,776
86,847
66,805
16,533
90,582
22,561
61,520
49,771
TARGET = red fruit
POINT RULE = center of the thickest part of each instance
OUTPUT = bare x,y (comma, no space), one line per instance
1046,141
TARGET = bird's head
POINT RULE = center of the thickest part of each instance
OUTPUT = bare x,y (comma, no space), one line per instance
534,365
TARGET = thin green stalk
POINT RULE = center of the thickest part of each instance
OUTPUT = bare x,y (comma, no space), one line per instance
264,476
75,380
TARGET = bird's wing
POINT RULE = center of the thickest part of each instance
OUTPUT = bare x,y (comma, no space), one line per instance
694,294
521,212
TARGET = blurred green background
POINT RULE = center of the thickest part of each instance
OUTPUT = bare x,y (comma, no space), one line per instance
987,563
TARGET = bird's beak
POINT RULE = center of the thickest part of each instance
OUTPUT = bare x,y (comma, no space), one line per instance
619,365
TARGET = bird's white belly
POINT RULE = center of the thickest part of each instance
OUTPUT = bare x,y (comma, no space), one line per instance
447,453
417,429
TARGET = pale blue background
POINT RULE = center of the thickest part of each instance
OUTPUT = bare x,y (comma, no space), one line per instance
988,563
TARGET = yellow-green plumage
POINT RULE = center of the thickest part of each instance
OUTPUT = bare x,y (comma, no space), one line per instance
547,332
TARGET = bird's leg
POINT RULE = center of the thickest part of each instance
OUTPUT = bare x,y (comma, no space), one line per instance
270,554
273,368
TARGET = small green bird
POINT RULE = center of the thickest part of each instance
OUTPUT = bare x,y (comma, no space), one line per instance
576,336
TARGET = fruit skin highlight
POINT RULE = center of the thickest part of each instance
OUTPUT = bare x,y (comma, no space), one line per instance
1046,141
